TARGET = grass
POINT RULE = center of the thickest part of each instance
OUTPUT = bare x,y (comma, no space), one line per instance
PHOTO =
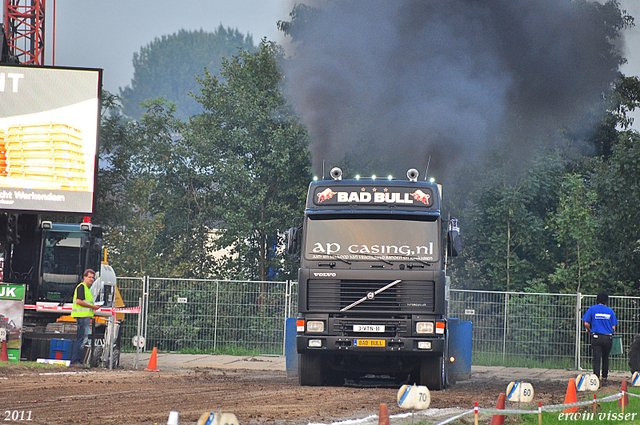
486,359
18,366
233,351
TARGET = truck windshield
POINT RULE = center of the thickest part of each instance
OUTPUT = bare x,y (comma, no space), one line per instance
372,238
62,264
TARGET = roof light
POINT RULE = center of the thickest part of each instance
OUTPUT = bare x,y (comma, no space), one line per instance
389,177
373,177
357,176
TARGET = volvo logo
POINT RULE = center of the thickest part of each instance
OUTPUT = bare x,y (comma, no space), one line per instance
325,274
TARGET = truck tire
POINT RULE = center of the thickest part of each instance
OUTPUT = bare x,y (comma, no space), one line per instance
95,357
432,373
310,370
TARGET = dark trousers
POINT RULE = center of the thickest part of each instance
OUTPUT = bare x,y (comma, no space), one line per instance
601,347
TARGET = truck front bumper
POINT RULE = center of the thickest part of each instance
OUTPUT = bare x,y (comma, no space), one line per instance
307,344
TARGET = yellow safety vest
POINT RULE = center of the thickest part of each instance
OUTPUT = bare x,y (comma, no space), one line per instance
78,310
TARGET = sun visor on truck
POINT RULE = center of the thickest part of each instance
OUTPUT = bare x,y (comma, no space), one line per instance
373,195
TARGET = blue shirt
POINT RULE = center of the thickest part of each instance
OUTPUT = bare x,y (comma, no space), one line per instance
601,318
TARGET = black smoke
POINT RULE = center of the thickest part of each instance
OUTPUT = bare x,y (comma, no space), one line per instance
391,83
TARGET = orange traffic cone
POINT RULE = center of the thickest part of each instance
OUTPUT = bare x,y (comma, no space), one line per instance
499,419
153,361
4,354
383,419
624,400
571,396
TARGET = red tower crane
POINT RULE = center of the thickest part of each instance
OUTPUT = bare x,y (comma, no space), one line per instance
24,30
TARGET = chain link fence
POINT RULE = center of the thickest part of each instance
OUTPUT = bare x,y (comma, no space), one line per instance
540,330
509,328
207,316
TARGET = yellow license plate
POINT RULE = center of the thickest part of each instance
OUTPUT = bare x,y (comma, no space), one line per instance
369,343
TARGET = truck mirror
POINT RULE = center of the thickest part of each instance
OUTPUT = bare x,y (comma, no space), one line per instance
454,243
454,238
292,240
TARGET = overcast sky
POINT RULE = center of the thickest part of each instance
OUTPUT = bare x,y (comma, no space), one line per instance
105,33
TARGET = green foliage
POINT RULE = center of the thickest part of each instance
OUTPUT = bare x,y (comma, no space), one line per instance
147,194
617,182
168,67
574,227
504,225
255,155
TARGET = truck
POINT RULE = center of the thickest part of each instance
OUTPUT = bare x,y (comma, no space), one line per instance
372,289
49,259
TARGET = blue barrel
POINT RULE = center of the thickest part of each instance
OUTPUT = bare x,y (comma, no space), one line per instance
460,339
290,350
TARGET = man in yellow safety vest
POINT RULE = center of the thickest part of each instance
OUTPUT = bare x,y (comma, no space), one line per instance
83,308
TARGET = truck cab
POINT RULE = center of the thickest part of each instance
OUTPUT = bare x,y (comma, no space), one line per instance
49,259
372,296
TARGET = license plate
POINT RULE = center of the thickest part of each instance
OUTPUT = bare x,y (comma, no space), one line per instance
369,343
368,328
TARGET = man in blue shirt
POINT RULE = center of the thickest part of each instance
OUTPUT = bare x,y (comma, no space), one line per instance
601,322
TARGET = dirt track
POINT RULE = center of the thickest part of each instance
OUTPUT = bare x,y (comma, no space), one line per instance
126,396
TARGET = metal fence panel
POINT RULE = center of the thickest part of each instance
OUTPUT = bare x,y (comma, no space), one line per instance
522,329
539,330
131,290
627,310
201,315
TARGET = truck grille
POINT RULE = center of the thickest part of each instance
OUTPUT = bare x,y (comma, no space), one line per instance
406,296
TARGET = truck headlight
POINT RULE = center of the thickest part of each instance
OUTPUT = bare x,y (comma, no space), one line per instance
315,343
424,327
315,326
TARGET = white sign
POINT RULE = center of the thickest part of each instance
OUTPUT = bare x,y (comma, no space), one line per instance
587,382
138,341
218,418
414,397
521,392
368,328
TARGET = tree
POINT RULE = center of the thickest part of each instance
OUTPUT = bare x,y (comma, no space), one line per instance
255,153
617,182
168,67
147,195
574,226
504,222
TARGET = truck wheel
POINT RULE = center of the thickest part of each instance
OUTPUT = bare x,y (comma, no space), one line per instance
96,357
432,373
116,358
309,370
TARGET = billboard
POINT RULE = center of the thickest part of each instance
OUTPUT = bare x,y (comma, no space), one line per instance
49,121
